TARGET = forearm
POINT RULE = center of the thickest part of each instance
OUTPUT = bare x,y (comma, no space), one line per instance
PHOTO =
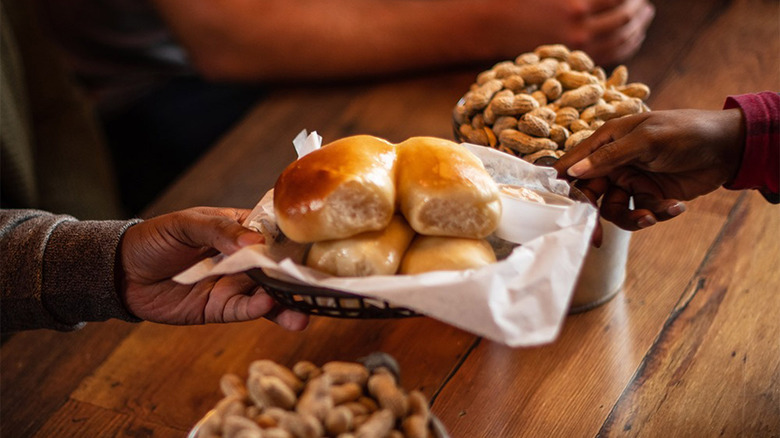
247,40
57,272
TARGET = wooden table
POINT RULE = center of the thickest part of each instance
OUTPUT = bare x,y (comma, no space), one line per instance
690,347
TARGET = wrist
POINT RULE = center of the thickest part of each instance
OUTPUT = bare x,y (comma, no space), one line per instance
732,123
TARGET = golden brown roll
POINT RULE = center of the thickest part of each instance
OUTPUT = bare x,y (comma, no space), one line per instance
433,253
342,189
369,253
444,190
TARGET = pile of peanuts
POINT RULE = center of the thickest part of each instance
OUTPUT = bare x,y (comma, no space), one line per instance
339,399
545,102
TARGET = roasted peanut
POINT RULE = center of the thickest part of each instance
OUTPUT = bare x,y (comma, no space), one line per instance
524,143
599,73
235,425
512,105
611,95
635,89
540,97
580,61
577,137
271,368
346,392
527,58
339,420
514,83
415,426
506,69
582,97
504,122
478,99
557,51
578,125
618,77
545,113
305,370
575,79
533,125
316,400
379,424
559,134
565,115
231,384
383,388
486,76
552,88
537,73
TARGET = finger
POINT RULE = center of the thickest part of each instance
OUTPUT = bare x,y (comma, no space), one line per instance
623,42
593,189
236,298
615,207
578,162
615,19
662,209
647,195
291,320
610,147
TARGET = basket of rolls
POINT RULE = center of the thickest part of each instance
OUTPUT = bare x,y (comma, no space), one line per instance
365,228
362,206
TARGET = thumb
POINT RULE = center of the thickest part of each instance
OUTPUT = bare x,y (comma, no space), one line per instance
215,228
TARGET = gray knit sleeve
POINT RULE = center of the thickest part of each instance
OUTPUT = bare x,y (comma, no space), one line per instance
58,272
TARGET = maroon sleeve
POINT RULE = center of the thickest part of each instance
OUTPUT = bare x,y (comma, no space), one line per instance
760,167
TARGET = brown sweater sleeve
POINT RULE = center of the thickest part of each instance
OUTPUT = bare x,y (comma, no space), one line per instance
58,272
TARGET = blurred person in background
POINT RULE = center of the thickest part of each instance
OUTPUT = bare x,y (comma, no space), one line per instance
168,77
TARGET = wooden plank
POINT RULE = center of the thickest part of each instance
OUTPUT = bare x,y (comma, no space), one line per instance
568,387
41,368
715,369
77,419
736,53
674,29
169,375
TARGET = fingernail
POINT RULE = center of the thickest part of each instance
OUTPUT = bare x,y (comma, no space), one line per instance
250,238
646,221
579,168
676,209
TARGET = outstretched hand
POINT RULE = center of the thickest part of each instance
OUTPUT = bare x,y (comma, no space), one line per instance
154,251
659,159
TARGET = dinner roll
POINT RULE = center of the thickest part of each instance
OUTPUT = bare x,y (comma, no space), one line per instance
444,190
369,253
342,189
434,253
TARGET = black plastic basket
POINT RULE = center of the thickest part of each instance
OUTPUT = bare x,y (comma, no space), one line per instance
322,301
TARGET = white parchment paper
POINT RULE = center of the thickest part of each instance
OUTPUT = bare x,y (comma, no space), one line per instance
521,300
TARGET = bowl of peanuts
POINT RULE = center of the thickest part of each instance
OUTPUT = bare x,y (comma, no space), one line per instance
539,106
338,399
543,103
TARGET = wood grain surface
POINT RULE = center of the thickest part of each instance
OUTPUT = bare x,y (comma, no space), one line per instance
690,347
